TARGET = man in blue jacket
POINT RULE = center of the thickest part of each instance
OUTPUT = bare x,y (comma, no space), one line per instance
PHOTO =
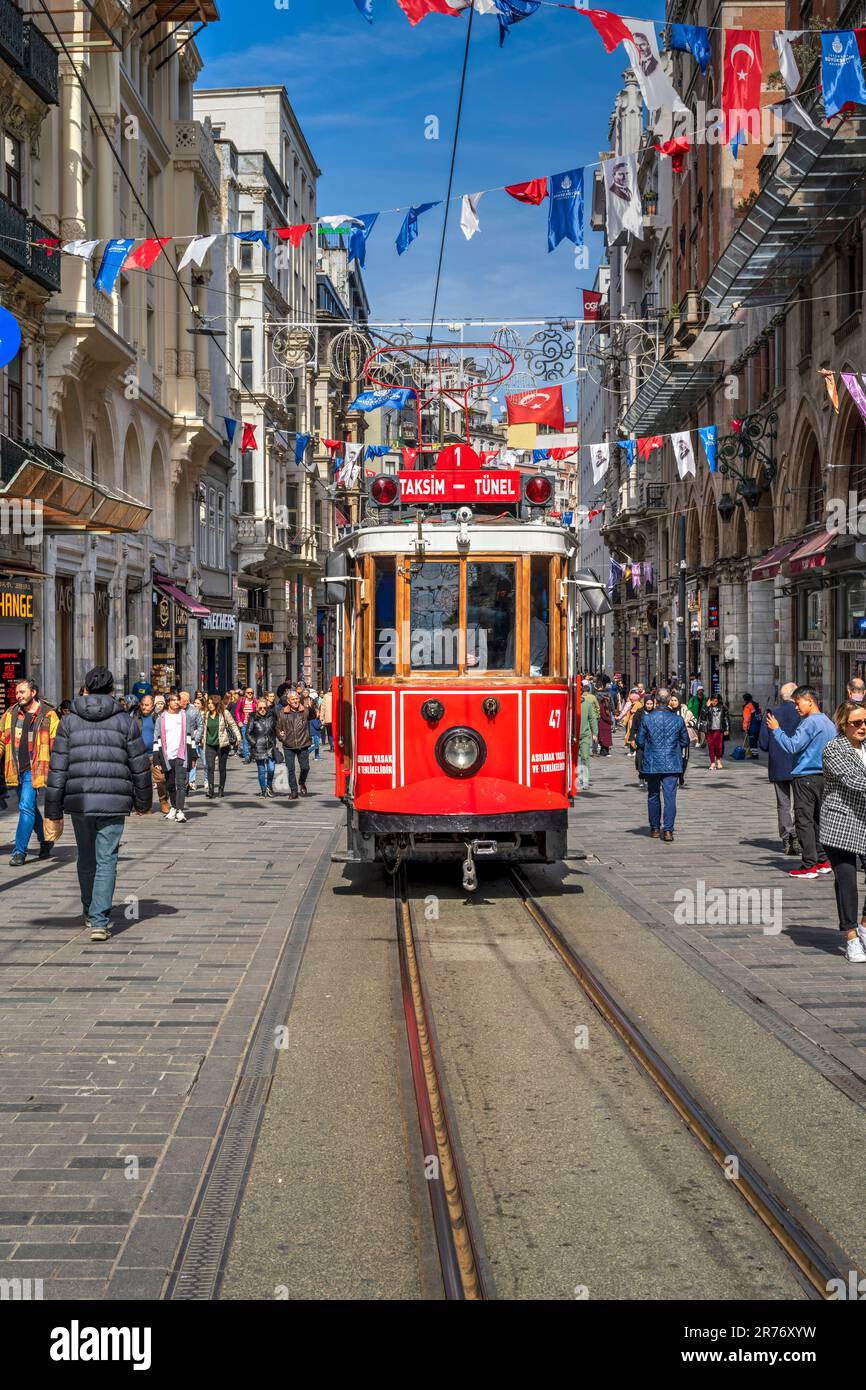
780,764
807,744
662,736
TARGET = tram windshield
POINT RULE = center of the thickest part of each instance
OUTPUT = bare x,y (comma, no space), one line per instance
491,615
434,617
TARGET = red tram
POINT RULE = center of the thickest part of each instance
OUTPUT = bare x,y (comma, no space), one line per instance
456,715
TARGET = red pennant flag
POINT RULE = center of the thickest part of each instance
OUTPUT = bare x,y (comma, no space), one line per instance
533,192
596,511
559,454
610,26
294,234
409,457
591,305
543,407
249,439
415,10
143,257
646,445
676,148
332,445
735,426
49,242
741,79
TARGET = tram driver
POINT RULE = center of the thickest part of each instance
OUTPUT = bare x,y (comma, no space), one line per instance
538,637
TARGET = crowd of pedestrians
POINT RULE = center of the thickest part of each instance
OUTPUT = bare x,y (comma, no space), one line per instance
100,757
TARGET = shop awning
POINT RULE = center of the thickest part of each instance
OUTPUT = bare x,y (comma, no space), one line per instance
68,501
769,564
811,554
192,605
668,395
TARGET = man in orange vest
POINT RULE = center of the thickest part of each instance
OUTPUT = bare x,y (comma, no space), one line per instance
27,732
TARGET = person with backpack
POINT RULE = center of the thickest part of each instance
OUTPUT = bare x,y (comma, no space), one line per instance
99,773
752,716
28,730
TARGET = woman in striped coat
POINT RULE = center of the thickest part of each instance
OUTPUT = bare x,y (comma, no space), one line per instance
843,820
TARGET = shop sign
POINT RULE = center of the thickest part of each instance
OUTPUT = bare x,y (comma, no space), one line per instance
855,645
711,634
266,637
163,628
219,622
16,600
64,595
248,637
181,623
291,624
810,648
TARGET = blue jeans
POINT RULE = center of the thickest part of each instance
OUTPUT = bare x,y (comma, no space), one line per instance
29,816
98,839
658,783
317,742
192,780
266,773
245,746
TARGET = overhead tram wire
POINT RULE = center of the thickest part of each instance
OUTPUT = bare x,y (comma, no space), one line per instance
450,177
197,317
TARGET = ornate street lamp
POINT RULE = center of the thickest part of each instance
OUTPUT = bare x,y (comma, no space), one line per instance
752,443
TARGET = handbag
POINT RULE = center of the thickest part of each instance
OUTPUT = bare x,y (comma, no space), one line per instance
281,779
52,829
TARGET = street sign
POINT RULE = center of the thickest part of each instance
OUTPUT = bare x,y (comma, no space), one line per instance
466,486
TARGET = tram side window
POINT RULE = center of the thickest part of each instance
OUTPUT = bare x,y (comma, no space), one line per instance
385,617
435,617
491,615
539,617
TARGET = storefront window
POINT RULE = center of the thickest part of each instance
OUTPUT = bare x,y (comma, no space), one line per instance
855,609
435,617
491,617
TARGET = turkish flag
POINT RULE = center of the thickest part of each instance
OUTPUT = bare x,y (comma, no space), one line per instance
415,10
143,257
741,80
533,192
249,439
646,445
541,407
591,305
409,457
294,234
610,27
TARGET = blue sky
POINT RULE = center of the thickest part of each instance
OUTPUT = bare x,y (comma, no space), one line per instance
362,94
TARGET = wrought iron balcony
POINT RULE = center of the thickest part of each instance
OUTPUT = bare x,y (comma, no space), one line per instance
39,65
255,615
17,232
11,34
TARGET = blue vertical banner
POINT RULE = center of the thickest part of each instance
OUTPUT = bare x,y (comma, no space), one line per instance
565,219
842,78
512,12
231,426
301,442
694,39
358,238
113,257
365,7
409,230
630,447
710,440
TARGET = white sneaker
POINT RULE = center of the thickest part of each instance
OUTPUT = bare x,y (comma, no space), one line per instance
854,950
861,932
181,817
171,815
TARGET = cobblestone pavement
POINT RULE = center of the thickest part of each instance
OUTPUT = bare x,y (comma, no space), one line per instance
787,969
117,1060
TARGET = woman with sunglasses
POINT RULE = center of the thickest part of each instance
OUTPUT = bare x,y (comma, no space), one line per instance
843,820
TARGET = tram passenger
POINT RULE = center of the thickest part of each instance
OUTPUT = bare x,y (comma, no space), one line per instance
538,637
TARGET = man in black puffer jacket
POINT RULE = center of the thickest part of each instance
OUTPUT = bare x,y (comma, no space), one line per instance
99,773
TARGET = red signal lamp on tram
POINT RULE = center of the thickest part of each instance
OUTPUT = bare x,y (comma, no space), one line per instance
538,491
384,490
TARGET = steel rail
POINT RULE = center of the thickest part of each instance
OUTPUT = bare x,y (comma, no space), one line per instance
457,1258
817,1256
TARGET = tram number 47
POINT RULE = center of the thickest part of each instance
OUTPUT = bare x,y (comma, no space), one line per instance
370,718
555,720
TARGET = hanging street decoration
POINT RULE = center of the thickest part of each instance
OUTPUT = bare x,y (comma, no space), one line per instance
537,407
684,454
409,230
676,149
144,256
395,399
249,439
842,77
591,305
231,426
565,221
533,192
709,437
113,257
296,234
10,337
741,79
624,209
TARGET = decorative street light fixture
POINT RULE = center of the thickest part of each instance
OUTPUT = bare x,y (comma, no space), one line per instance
752,443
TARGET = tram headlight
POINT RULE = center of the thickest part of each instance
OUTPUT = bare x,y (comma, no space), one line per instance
460,752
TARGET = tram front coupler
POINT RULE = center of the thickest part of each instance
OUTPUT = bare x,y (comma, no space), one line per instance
473,848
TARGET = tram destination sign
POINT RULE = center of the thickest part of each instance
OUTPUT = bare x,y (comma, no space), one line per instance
462,486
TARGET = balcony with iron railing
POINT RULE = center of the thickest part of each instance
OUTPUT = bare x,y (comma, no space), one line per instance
11,34
18,232
255,615
39,66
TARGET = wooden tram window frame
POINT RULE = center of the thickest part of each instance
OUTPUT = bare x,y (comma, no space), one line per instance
365,617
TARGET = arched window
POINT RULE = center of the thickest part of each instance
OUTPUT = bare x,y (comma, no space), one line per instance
857,462
814,508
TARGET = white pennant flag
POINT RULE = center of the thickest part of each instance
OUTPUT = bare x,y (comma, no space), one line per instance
646,61
340,222
624,210
352,467
469,223
790,109
196,251
782,40
599,457
684,453
84,249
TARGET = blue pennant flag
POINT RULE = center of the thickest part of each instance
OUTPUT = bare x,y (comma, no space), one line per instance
301,442
365,7
512,12
694,39
710,440
841,71
409,229
254,236
614,575
113,257
565,219
396,399
376,451
231,426
358,238
630,446
738,140
539,455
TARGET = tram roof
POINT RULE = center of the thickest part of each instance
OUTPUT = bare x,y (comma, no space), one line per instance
503,536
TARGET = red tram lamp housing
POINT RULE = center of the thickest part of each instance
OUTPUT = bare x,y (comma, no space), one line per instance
538,490
384,490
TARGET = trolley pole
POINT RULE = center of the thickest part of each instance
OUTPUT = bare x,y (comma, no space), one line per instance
682,673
